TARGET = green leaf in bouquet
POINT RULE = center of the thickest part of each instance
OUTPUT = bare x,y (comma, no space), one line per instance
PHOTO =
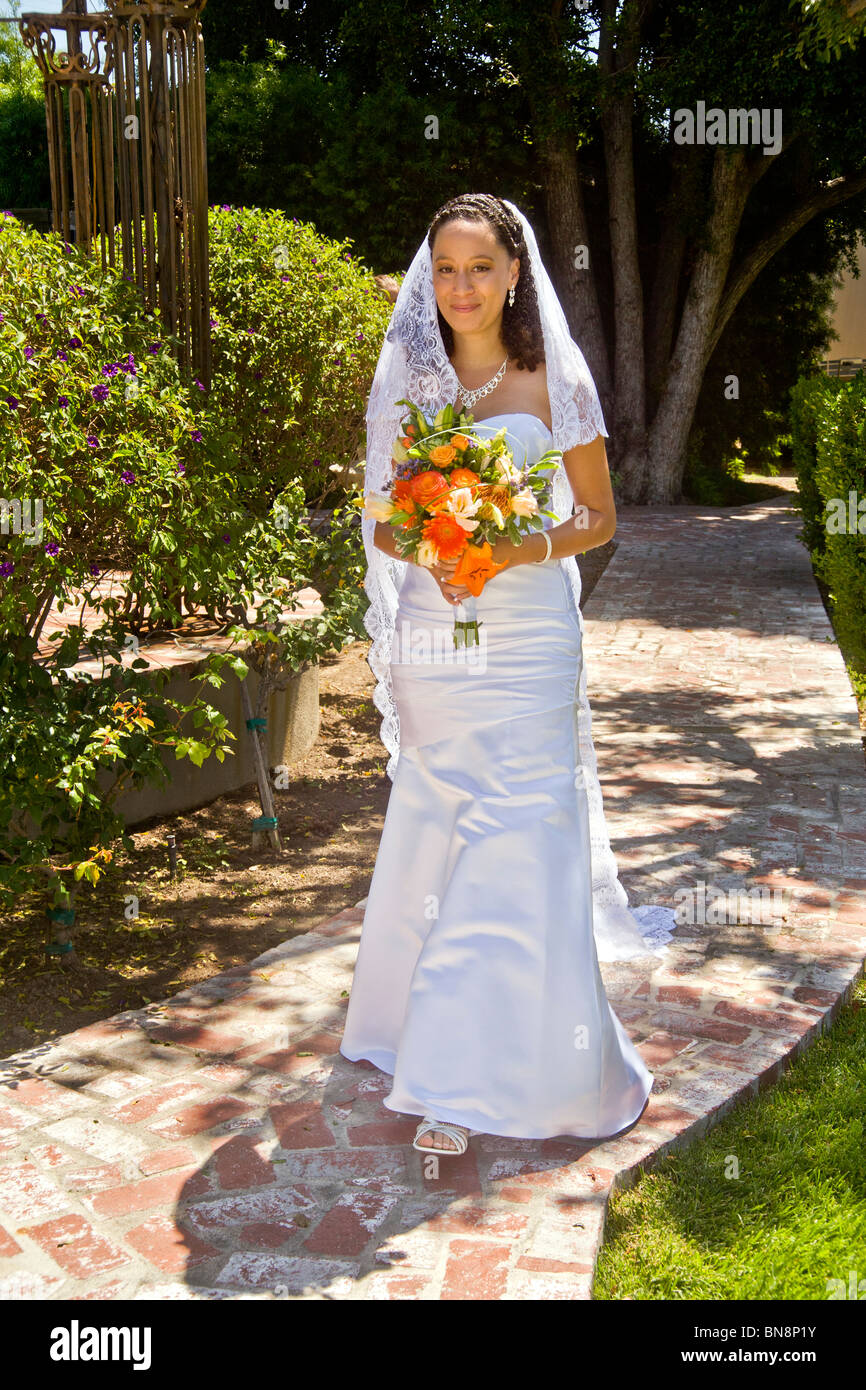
492,513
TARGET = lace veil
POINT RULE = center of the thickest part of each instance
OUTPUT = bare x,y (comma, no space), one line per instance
414,365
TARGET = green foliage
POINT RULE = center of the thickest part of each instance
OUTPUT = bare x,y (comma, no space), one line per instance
797,290
101,472
24,177
362,163
297,327
60,734
826,27
828,422
249,30
100,428
123,484
18,70
808,398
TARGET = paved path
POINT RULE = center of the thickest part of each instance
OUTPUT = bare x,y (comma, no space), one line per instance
218,1147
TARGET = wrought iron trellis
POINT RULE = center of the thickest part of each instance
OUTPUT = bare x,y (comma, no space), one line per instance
127,149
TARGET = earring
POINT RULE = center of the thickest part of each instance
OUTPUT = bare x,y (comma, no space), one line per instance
511,295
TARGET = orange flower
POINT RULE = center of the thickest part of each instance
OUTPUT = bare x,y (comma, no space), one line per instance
463,477
460,441
401,496
443,453
446,534
410,429
430,488
475,567
498,494
407,441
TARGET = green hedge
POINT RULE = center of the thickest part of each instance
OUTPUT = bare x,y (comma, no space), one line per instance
297,324
828,425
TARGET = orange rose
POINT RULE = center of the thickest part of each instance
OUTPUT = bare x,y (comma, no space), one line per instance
443,453
430,488
446,534
460,441
407,441
475,567
463,477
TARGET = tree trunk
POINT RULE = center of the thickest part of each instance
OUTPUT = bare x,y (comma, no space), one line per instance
566,220
669,261
669,431
629,405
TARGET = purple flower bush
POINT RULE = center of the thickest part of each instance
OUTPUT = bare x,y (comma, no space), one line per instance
125,490
165,491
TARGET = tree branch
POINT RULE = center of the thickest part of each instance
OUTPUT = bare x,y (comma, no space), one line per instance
757,166
749,268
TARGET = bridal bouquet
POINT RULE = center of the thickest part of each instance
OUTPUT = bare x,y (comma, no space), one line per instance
453,493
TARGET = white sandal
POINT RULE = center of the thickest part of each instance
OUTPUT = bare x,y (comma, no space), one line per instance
451,1131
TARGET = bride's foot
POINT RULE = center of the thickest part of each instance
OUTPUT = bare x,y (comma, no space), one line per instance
450,1139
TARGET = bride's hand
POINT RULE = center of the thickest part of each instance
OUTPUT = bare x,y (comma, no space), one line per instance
452,593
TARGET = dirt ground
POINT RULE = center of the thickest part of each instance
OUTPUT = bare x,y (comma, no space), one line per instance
228,903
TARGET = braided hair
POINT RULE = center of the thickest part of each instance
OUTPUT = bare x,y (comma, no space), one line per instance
521,329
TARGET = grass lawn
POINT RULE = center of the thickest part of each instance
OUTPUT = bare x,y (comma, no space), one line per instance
791,1220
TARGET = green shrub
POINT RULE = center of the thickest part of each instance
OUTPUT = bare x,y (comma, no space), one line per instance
297,329
829,439
808,398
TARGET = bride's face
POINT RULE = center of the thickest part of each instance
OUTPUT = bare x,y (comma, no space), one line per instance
472,273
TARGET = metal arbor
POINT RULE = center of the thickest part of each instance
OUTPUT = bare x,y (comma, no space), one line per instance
127,149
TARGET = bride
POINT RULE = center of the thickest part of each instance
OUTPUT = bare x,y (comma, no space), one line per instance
495,893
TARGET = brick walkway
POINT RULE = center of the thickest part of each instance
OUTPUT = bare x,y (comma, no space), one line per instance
218,1147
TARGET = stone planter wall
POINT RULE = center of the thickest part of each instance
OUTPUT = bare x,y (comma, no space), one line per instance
293,727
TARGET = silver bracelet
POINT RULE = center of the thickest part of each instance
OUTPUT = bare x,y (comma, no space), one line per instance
546,535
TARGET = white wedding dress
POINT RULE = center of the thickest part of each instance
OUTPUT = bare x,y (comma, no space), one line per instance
477,985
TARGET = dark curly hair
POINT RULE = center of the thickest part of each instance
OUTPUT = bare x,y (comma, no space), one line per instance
521,323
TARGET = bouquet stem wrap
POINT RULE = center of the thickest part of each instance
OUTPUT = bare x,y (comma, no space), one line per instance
466,623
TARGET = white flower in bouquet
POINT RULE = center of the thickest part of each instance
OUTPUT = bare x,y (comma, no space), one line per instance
524,503
463,507
506,470
378,507
427,555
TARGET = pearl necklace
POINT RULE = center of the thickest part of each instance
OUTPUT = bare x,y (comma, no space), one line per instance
470,397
